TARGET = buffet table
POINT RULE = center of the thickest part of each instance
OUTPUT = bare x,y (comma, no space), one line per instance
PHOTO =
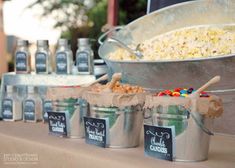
31,141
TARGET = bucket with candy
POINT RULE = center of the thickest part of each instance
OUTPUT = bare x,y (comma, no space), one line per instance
122,105
191,113
67,99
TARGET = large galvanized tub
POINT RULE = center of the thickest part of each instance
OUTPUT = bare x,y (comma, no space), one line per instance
180,73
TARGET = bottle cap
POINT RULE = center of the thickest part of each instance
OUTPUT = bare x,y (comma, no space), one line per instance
83,41
30,89
21,42
63,42
42,43
9,89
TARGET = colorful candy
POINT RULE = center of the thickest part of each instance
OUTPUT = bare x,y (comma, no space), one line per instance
180,92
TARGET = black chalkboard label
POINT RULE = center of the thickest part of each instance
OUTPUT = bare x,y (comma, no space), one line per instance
83,61
21,61
7,109
159,142
57,122
29,110
41,62
61,63
97,131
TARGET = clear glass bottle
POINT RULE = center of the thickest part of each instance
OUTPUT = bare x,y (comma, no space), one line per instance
43,58
85,57
22,57
11,105
47,107
32,106
64,57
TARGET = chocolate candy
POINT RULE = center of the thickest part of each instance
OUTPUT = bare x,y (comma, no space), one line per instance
168,92
176,94
190,90
183,92
180,92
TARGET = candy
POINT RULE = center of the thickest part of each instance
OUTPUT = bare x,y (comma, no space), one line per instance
168,92
184,95
183,92
119,88
178,89
176,94
190,90
161,94
180,92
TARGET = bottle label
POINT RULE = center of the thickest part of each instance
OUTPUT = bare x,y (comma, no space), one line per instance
29,110
61,63
47,107
83,61
41,63
21,61
7,109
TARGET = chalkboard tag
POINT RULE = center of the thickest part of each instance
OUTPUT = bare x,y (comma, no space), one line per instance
58,123
21,61
159,142
97,131
29,110
7,109
41,62
83,61
61,63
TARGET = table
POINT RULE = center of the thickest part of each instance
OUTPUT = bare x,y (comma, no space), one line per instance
32,141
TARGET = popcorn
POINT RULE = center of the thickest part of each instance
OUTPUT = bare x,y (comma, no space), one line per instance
186,43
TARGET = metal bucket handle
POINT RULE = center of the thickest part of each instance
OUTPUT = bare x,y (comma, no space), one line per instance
102,38
199,123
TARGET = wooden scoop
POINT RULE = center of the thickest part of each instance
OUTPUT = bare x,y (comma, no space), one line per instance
102,78
115,78
205,86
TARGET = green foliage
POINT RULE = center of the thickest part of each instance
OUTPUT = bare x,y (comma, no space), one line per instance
77,18
98,16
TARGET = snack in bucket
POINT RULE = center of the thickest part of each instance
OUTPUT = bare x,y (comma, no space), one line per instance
122,105
190,112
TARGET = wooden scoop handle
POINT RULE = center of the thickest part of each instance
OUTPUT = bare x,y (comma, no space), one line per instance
102,78
210,82
116,77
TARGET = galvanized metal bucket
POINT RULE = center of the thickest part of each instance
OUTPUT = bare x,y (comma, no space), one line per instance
192,131
124,124
178,73
76,109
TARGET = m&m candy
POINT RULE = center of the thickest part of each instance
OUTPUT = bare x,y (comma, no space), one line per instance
176,94
180,92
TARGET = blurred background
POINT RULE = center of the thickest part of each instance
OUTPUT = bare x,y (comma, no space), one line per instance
52,19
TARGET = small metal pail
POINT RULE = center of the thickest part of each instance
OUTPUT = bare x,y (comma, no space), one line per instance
192,131
76,109
124,124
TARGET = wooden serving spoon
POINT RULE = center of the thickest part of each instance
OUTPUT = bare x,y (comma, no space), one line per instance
102,78
115,78
194,97
205,86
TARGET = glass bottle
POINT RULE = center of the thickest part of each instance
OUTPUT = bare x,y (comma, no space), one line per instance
22,57
11,105
43,58
64,57
85,57
47,107
32,106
